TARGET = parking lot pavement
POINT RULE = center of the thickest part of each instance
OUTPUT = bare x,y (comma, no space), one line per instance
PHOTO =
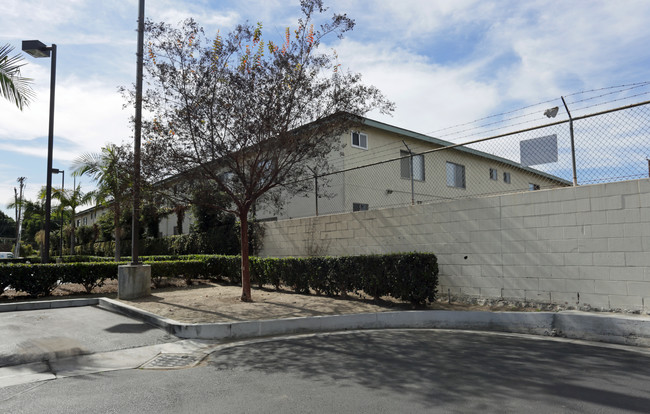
36,335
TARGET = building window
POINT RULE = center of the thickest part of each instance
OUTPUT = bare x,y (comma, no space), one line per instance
493,174
85,221
455,175
359,207
175,231
533,187
78,222
418,166
506,177
359,140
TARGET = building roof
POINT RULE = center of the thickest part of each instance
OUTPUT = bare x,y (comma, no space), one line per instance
442,143
425,138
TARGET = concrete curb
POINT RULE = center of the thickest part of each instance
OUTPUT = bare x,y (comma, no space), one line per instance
610,328
616,329
48,304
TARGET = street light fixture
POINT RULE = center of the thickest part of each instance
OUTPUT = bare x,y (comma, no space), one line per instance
38,49
57,171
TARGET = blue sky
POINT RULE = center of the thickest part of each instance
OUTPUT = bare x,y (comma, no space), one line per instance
442,62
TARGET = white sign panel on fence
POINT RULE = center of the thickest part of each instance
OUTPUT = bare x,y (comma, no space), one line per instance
536,151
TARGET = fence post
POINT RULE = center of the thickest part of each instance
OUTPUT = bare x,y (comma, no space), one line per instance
573,149
412,178
316,190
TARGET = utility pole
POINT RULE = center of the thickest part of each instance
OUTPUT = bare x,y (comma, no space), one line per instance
134,279
135,223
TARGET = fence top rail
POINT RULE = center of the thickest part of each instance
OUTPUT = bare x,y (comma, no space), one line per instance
463,146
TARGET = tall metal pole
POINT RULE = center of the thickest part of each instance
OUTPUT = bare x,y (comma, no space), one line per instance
74,200
316,186
573,148
135,222
61,212
411,169
45,253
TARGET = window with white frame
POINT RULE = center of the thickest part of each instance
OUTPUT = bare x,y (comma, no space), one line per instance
533,186
359,140
506,177
455,175
418,166
493,174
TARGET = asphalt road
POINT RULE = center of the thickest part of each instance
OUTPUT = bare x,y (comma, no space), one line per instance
391,371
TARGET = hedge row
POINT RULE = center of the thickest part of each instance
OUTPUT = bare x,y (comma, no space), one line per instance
41,279
411,277
176,245
87,258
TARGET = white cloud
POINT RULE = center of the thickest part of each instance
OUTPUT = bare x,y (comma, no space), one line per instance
88,112
427,96
409,19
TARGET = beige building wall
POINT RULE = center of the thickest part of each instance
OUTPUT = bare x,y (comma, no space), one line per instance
587,245
382,185
90,216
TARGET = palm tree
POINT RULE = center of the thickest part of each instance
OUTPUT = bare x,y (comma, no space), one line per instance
73,199
13,86
32,219
109,169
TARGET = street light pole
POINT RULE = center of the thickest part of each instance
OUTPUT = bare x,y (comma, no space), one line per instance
57,171
38,49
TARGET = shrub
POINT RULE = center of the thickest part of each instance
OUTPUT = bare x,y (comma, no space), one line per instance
186,269
35,280
89,275
410,277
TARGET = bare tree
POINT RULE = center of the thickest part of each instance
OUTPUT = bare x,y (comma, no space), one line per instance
247,114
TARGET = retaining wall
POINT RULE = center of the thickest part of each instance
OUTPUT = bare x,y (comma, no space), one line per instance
576,246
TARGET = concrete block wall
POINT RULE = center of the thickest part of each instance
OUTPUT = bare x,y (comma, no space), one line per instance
586,245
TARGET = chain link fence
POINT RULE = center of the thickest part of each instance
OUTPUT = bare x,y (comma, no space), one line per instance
606,146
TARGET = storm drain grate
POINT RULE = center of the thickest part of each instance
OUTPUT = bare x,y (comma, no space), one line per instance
173,361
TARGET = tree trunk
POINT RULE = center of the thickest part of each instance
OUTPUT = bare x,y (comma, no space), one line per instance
180,217
72,234
245,262
118,233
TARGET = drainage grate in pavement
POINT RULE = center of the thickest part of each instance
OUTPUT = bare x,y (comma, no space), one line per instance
173,361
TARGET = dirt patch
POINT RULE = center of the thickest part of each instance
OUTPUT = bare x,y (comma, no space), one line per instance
206,302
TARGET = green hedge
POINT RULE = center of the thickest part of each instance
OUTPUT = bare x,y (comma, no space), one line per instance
183,244
410,277
41,279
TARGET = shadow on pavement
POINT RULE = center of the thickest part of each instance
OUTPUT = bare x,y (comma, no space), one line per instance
128,328
441,367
